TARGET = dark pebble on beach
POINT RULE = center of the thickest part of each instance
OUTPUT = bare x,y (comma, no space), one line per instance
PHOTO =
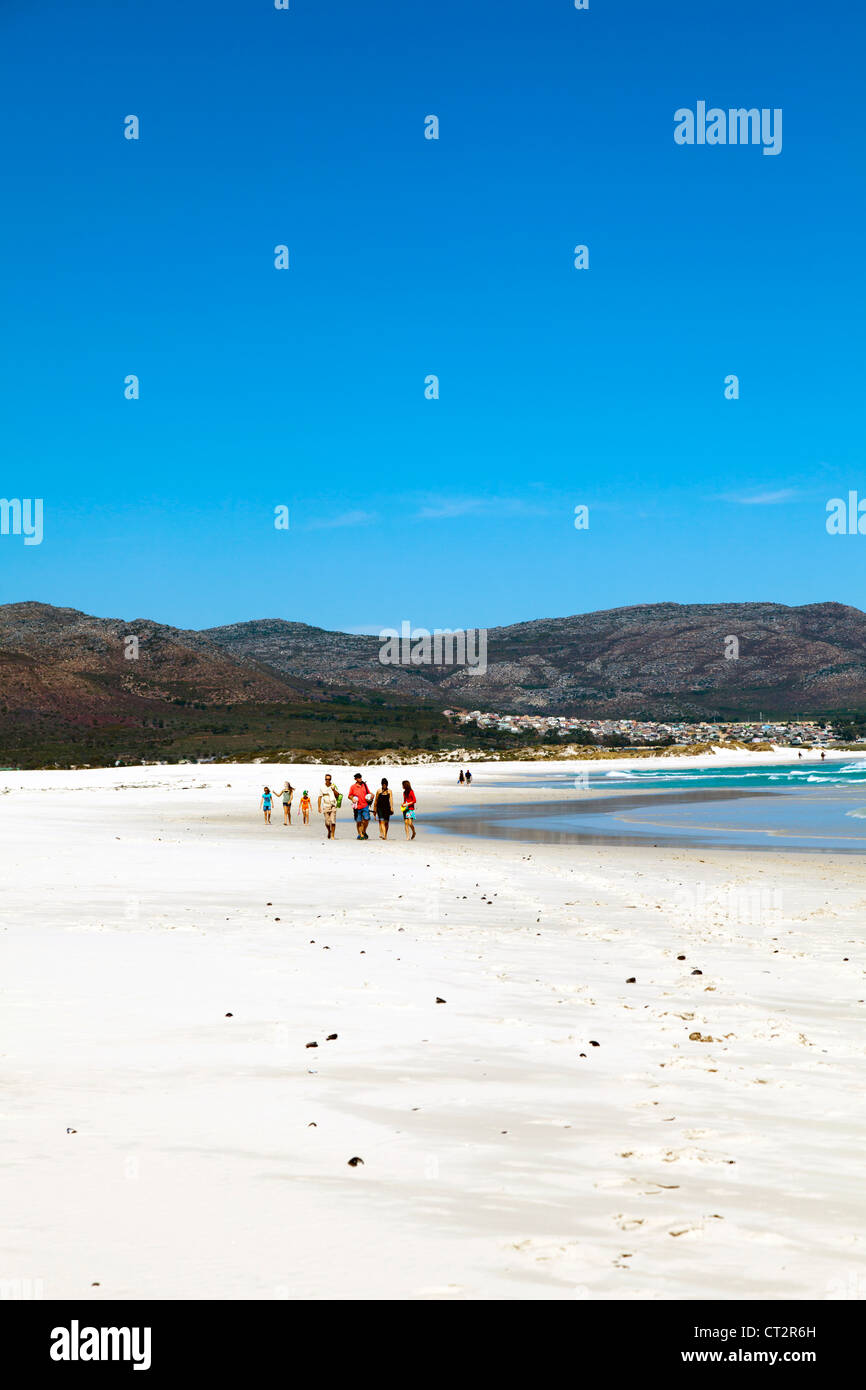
312,1044
353,1162
441,1001
594,1044
72,1131
631,980
680,957
229,1015
697,972
332,1037
312,1125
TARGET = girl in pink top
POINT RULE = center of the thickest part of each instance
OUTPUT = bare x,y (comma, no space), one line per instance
408,809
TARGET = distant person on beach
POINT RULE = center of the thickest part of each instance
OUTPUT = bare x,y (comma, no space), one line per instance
408,809
287,793
383,808
468,776
304,804
360,797
823,755
328,806
266,804
461,779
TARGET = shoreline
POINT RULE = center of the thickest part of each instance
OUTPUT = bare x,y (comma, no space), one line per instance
436,775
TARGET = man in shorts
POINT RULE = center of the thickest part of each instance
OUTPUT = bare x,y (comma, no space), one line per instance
360,797
328,806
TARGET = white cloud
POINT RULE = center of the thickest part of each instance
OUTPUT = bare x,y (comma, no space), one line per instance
356,518
445,508
761,499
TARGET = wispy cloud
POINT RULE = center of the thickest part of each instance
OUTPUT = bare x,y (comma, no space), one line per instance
445,508
356,518
760,499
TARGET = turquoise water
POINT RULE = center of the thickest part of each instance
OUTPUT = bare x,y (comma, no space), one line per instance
846,773
818,807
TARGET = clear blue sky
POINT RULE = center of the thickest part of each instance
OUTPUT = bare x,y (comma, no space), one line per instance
410,257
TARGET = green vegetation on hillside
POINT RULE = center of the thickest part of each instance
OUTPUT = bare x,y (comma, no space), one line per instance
192,730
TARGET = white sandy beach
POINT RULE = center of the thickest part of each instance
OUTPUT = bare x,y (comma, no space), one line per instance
504,1155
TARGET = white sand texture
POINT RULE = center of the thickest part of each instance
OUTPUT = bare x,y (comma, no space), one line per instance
646,1080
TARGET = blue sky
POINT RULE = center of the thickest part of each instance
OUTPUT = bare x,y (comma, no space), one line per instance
411,257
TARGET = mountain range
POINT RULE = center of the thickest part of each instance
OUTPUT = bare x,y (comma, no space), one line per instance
664,660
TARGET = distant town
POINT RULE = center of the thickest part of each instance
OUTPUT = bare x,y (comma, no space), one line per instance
640,733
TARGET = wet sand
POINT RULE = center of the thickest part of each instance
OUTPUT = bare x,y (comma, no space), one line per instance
494,823
527,822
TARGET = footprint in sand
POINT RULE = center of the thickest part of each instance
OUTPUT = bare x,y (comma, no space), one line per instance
686,1155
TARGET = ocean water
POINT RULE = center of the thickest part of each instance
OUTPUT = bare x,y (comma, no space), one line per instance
846,773
807,806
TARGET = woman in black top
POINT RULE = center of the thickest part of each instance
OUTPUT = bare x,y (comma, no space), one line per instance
383,808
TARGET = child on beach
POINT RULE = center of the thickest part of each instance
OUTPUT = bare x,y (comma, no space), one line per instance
266,804
287,793
304,804
408,809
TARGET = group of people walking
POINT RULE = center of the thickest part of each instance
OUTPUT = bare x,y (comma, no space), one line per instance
366,805
286,796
